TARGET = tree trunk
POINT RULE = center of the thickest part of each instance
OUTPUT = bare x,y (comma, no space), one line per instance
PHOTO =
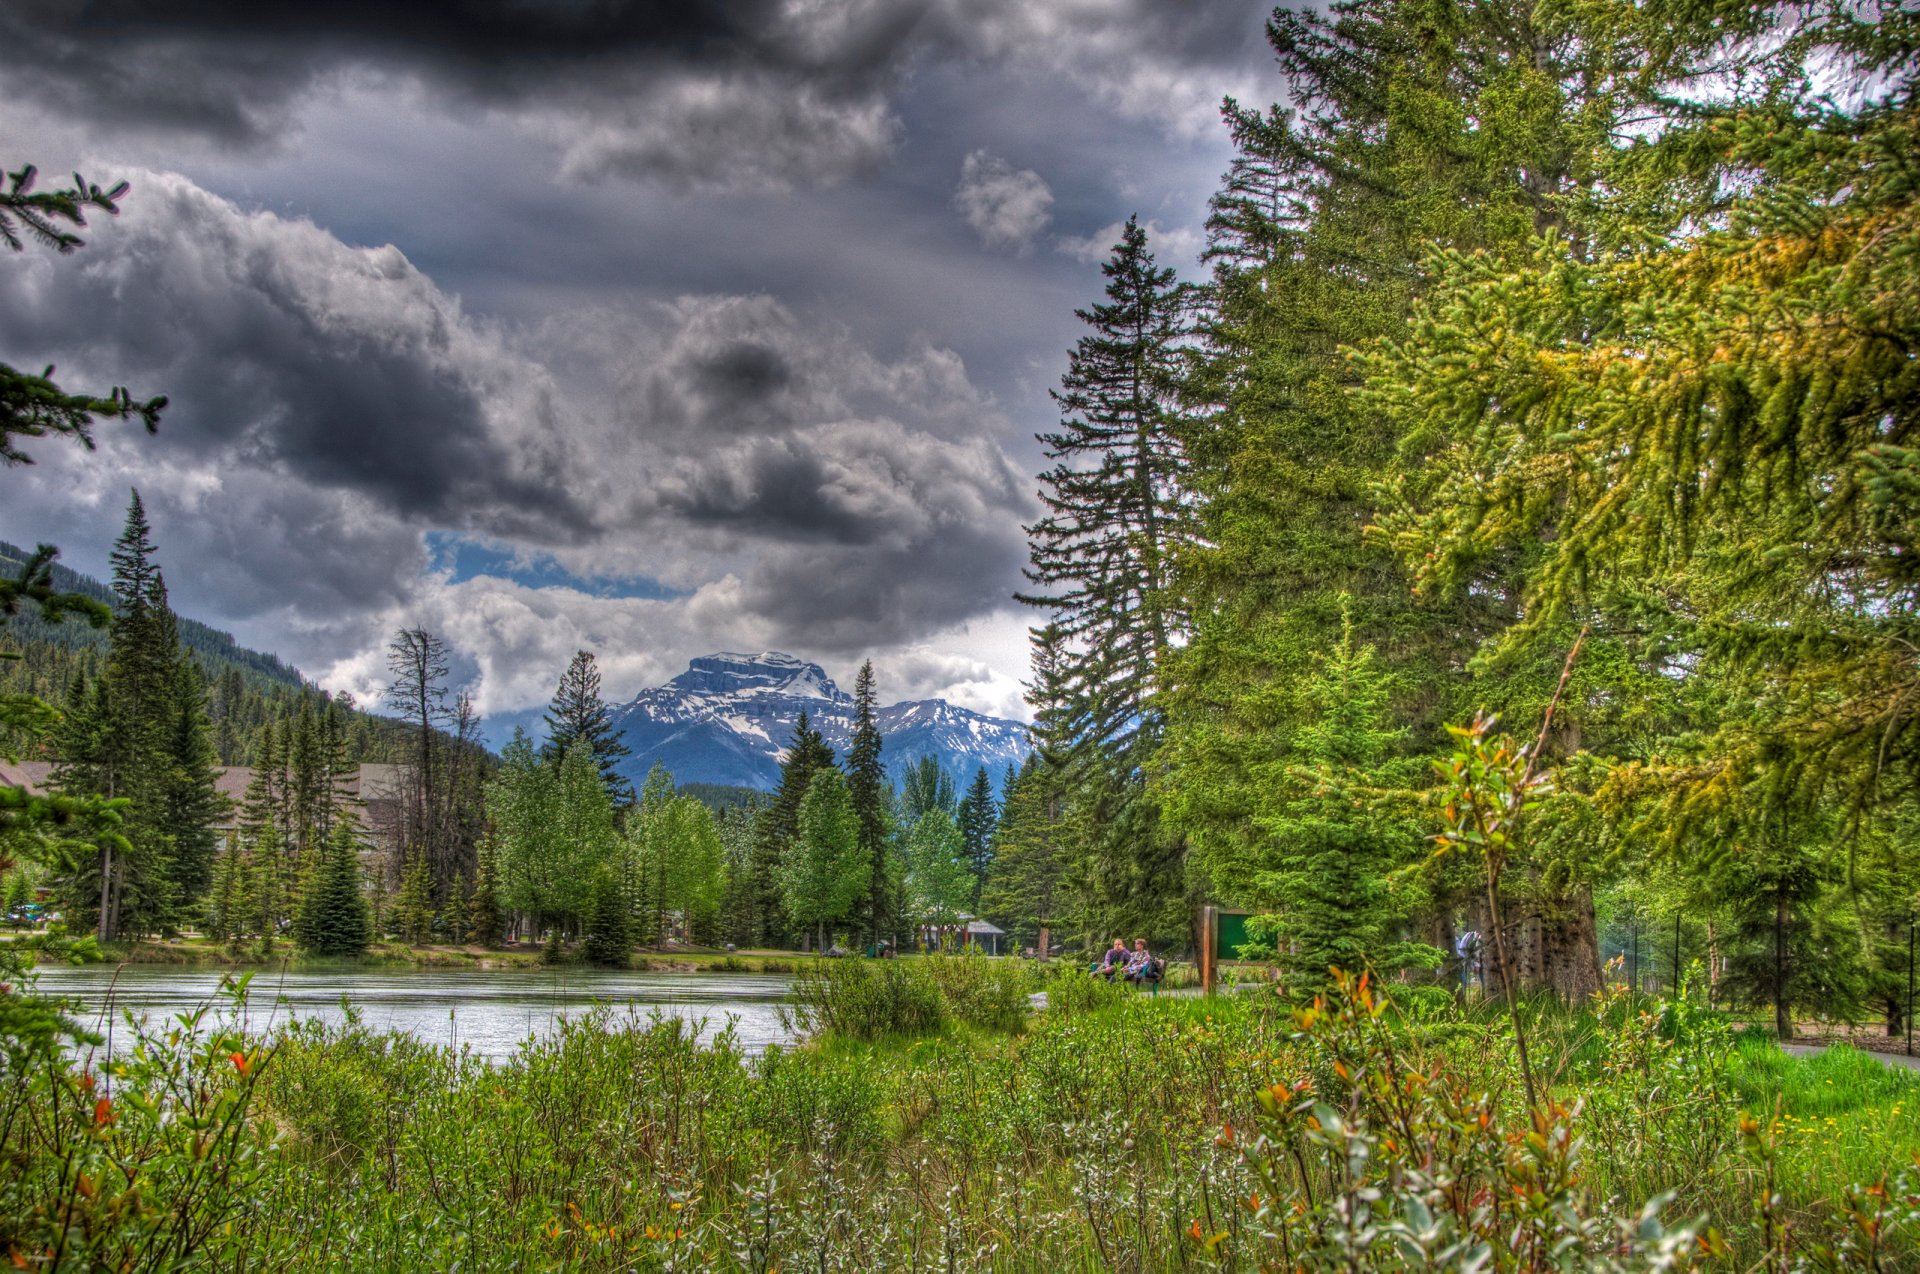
1570,948
106,878
1782,1019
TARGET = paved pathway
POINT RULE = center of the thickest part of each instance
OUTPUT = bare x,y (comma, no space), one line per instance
1885,1059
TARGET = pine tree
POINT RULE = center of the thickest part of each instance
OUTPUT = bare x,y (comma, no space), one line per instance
483,907
140,737
777,830
1102,560
227,909
608,935
1336,839
413,906
334,919
977,819
33,406
1027,892
867,784
193,804
576,713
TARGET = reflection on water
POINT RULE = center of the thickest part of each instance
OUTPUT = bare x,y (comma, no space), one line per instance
489,1011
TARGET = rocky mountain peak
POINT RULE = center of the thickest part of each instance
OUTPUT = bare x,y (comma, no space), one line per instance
770,672
729,717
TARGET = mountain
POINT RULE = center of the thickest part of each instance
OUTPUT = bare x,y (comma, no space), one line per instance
729,717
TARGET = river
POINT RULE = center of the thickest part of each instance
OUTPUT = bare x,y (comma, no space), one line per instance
488,1011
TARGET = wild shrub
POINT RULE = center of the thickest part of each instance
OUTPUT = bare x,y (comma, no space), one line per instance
866,999
142,1162
992,994
1074,990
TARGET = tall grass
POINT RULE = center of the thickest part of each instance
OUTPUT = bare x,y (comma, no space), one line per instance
1136,1135
874,999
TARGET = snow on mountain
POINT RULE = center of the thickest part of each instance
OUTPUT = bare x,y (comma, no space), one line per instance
729,717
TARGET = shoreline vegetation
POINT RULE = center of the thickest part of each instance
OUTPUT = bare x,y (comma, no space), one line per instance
931,1120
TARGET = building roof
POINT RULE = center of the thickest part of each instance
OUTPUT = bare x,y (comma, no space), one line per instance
983,927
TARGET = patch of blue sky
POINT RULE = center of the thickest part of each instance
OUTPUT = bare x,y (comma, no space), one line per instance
465,557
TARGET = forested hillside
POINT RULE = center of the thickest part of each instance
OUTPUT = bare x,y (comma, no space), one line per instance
245,688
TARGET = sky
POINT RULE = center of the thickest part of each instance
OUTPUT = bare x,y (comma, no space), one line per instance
648,327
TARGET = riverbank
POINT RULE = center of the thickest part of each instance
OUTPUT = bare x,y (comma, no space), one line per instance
1127,1133
202,953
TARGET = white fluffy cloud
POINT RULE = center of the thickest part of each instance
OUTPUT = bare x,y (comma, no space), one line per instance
1007,208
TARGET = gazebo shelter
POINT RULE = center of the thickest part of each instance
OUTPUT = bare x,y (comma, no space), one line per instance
984,932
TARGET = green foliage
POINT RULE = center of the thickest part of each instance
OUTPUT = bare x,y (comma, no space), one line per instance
484,921
867,999
1102,563
578,714
939,881
867,788
412,912
672,863
553,826
1028,888
826,872
990,993
776,834
609,935
1133,1131
1072,989
146,1163
334,919
978,816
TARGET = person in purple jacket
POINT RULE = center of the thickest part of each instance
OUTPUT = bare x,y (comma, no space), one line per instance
1115,961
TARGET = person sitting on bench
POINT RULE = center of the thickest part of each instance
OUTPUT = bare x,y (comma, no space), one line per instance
1114,962
1142,968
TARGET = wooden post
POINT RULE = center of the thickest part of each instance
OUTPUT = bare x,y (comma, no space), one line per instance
1208,922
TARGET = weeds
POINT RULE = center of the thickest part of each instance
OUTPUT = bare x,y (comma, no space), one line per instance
1130,1134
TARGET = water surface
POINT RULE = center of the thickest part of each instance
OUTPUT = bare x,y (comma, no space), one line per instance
490,1011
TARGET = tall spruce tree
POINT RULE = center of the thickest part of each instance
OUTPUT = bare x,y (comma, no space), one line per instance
609,920
867,785
484,921
978,816
578,712
141,736
1102,561
1027,890
334,919
192,803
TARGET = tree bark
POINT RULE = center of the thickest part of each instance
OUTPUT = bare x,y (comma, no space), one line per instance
1570,948
1782,1019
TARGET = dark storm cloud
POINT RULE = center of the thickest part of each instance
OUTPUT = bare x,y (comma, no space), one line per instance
331,405
288,352
869,495
710,93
